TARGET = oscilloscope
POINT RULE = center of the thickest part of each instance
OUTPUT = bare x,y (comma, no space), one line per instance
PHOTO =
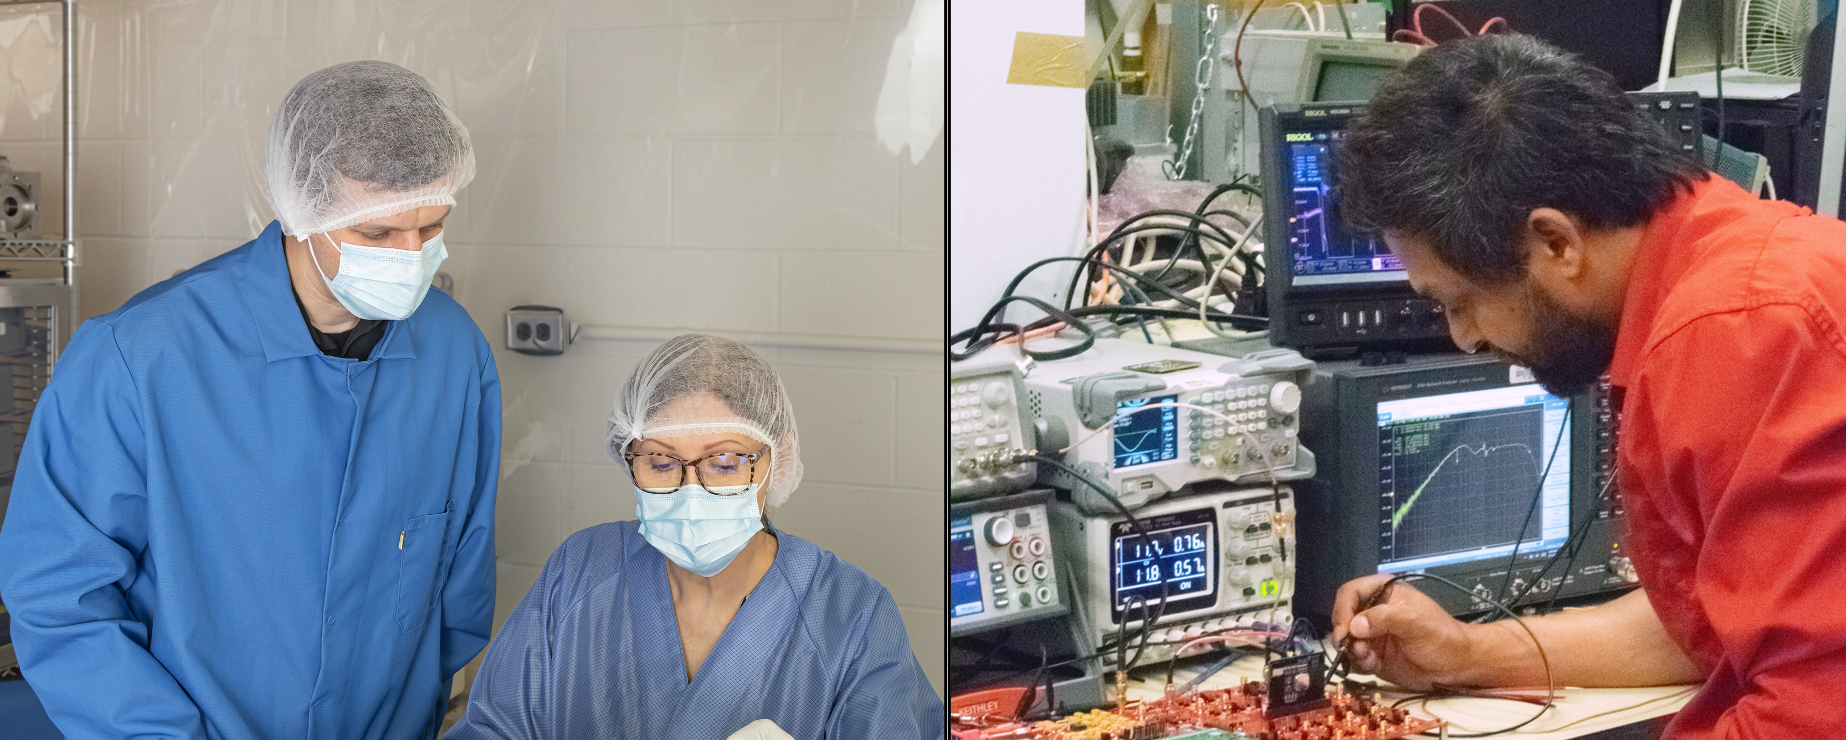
1108,401
1220,560
1447,464
1332,289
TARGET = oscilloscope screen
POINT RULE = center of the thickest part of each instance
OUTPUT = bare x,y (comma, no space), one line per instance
1323,249
1457,473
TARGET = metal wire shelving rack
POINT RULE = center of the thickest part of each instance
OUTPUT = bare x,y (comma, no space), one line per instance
37,314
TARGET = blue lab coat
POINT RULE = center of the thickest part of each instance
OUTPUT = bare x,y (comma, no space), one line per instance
217,531
593,651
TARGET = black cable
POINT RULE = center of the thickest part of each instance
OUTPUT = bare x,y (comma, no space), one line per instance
1246,256
999,331
1718,36
1378,596
1233,215
1030,695
1576,535
1147,625
1228,188
1537,494
1077,280
980,337
1195,218
1142,320
1251,323
1143,279
1125,272
1310,636
1568,564
1192,240
989,322
1204,212
989,331
1102,653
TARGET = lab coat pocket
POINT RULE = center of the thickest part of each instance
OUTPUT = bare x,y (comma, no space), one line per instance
419,559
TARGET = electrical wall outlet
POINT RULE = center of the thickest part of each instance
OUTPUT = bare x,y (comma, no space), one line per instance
537,330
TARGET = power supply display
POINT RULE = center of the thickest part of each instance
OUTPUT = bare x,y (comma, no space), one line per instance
1174,559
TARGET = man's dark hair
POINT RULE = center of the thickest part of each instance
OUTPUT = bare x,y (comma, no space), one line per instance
1462,143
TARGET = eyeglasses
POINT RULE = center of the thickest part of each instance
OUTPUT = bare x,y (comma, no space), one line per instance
725,474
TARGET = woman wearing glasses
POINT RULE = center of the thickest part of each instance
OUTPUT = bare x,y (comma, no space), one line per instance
701,620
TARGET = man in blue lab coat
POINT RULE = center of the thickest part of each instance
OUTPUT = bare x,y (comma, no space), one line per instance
257,500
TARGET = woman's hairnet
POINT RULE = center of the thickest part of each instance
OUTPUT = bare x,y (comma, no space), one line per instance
360,141
690,364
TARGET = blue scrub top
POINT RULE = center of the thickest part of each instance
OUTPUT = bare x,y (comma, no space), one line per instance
217,531
593,651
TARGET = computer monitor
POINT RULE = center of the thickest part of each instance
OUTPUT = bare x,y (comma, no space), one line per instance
1448,464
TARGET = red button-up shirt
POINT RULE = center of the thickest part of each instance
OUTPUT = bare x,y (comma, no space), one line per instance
1731,365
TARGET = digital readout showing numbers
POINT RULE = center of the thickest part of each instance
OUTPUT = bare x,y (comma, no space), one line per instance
1175,557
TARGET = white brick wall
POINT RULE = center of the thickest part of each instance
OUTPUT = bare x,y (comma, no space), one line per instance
692,163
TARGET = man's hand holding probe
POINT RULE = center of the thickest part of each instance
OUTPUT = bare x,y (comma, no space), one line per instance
1404,637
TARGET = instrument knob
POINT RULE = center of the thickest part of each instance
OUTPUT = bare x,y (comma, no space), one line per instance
995,394
999,531
1285,397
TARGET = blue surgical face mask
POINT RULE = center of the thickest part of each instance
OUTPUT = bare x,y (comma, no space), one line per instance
380,283
700,530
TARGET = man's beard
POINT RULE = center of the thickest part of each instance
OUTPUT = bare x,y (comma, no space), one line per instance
1568,352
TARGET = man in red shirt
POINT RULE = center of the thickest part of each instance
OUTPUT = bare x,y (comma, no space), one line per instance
1565,232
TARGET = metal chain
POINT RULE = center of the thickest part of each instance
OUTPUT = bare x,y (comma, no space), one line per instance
1176,169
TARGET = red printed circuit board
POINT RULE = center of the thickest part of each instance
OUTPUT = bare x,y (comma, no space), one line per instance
1222,713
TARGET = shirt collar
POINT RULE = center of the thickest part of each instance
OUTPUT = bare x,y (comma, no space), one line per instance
1660,262
279,324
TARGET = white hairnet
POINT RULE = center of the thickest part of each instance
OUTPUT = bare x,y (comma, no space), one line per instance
691,364
360,141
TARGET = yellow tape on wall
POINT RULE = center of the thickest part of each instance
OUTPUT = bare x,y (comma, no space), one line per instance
1051,60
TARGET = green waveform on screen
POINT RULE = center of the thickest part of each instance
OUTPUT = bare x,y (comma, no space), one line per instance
1483,450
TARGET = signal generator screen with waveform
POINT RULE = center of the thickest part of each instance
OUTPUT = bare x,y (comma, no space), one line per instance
1459,466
